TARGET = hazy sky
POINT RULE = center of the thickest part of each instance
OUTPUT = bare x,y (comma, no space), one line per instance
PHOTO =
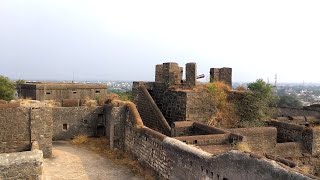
124,40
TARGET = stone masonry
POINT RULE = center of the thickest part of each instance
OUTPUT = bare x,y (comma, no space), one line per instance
173,159
221,74
22,126
191,74
71,121
15,130
22,165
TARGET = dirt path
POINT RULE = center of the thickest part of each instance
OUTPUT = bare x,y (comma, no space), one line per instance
72,162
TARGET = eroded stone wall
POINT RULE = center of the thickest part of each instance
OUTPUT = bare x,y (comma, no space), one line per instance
173,105
309,137
15,130
115,128
150,112
71,121
181,105
260,139
22,165
296,112
22,126
173,159
41,129
199,106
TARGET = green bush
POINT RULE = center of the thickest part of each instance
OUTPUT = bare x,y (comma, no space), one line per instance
7,88
257,104
123,96
289,101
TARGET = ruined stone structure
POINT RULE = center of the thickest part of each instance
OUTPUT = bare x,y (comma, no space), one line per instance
174,159
175,97
221,74
171,157
71,121
163,130
60,91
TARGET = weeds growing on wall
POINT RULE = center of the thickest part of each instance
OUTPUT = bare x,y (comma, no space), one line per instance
250,109
225,115
123,96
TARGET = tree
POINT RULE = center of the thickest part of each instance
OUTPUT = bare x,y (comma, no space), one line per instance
19,82
289,101
256,104
6,88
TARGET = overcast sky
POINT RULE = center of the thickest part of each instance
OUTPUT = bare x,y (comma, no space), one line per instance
124,40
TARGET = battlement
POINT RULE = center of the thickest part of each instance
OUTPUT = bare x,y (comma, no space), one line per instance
170,73
221,74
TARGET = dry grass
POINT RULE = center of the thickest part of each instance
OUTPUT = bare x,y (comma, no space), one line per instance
225,116
79,139
34,103
241,88
306,169
101,146
242,146
108,98
90,102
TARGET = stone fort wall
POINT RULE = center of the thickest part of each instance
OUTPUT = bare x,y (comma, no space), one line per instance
71,121
176,105
308,137
173,159
21,126
149,111
297,112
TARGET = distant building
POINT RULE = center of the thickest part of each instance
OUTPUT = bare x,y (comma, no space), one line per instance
59,91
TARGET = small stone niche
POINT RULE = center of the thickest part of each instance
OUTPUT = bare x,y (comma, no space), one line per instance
65,126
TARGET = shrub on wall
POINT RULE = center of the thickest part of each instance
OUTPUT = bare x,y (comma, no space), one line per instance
257,104
253,106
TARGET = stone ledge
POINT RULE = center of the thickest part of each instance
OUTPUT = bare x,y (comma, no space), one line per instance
21,165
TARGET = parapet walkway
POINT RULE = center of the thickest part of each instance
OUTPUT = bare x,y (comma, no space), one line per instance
75,163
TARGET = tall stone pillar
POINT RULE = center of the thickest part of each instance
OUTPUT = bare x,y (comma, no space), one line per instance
214,74
191,74
159,73
171,73
226,75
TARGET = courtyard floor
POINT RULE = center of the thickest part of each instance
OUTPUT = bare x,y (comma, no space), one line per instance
75,163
